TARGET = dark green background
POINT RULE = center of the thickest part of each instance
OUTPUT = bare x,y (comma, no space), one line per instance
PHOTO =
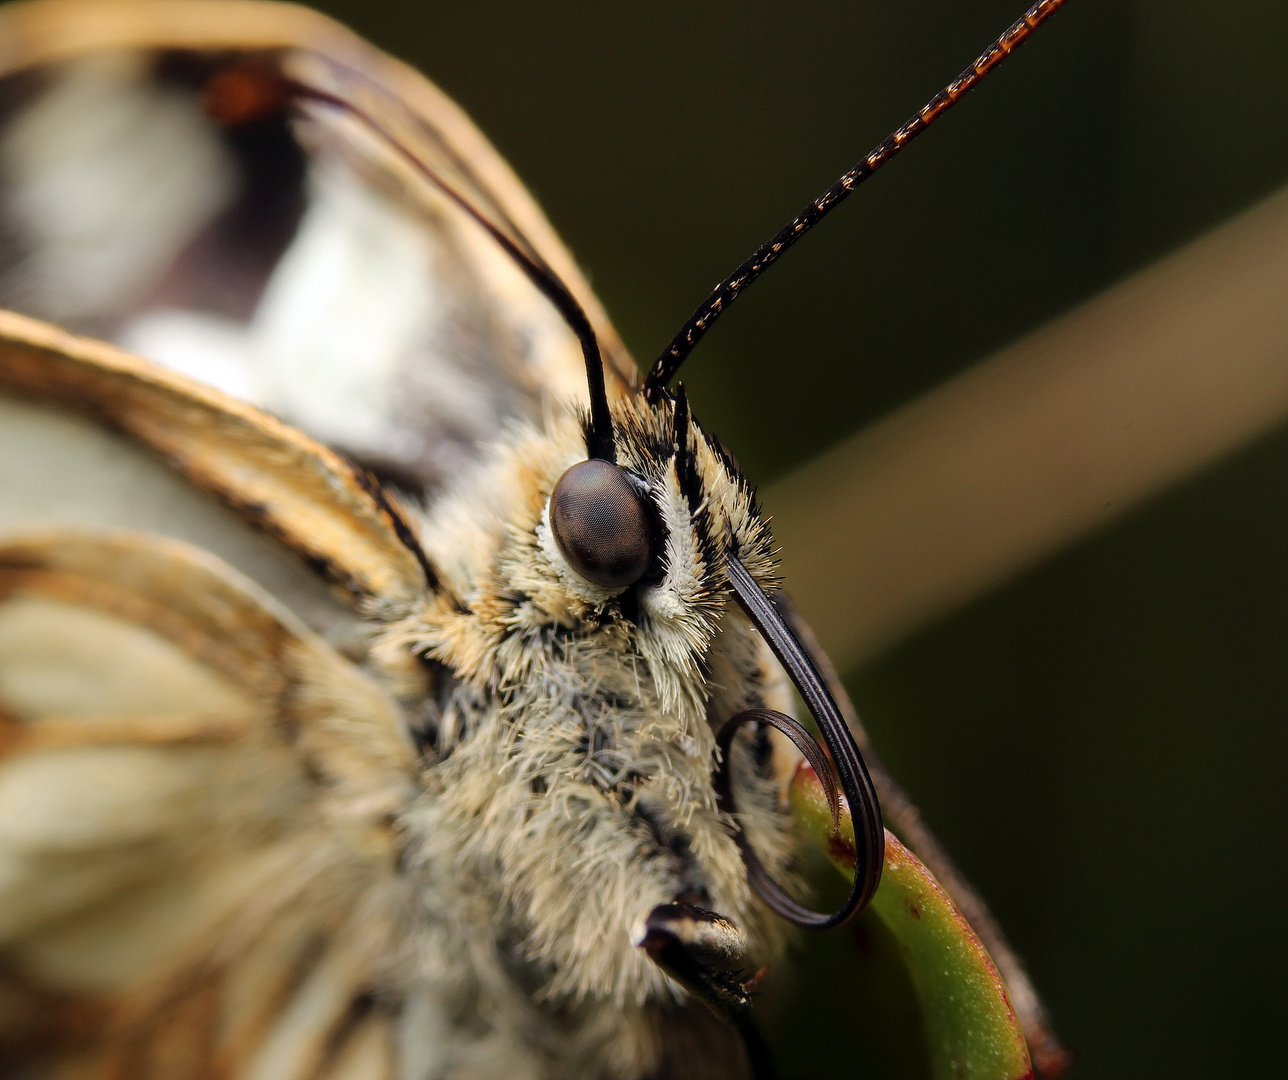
1101,742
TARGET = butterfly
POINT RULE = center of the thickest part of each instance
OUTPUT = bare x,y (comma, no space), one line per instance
367,708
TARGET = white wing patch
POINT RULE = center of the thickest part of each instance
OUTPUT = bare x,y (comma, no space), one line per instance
76,161
344,309
355,283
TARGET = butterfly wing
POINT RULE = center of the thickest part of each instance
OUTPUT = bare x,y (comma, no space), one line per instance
285,254
197,869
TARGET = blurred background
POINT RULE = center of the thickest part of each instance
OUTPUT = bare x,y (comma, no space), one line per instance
1098,741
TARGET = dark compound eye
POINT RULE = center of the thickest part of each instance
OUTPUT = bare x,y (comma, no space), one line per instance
602,524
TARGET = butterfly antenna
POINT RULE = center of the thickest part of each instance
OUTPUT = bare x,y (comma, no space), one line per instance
724,294
599,440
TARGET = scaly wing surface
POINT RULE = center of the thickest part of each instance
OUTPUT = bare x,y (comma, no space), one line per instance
198,855
197,866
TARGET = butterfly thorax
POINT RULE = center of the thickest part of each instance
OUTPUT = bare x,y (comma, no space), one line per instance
568,731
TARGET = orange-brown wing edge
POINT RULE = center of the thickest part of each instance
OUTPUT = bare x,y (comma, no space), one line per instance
340,522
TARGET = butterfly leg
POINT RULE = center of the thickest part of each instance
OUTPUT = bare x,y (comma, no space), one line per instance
706,953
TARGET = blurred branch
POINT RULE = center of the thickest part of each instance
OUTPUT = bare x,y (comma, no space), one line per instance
1033,449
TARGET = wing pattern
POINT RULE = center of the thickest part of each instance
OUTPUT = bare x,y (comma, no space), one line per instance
292,259
197,866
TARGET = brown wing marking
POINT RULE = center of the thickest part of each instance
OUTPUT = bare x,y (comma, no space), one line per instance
291,486
197,868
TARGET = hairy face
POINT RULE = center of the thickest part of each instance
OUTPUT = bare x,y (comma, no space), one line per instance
569,732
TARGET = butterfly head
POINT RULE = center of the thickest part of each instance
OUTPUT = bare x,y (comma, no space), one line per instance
654,529
627,558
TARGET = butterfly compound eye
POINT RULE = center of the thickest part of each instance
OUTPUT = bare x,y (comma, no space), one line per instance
602,524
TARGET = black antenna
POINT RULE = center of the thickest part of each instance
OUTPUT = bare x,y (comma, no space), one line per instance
599,439
724,294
